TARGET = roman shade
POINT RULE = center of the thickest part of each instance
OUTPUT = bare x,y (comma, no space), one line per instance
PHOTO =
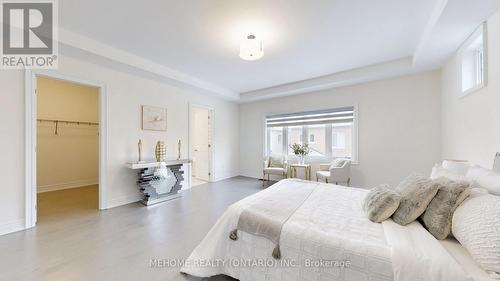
329,116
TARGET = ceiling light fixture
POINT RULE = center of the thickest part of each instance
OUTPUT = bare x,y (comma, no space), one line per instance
251,48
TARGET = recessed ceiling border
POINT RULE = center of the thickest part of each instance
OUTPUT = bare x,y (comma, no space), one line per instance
89,45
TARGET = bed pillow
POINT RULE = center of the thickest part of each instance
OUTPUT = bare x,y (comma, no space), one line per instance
484,178
380,203
476,225
416,193
438,215
441,172
459,167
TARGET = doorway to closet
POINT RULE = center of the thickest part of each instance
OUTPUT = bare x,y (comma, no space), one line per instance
67,149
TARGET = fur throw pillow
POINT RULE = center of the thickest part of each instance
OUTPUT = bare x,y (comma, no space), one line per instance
380,203
416,193
438,215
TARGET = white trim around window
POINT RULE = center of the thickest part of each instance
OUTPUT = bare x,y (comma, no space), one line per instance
472,63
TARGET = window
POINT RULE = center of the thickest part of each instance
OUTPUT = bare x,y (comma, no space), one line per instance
338,140
329,133
472,57
294,136
342,140
311,138
275,141
317,139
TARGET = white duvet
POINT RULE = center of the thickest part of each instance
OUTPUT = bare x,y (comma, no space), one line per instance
327,238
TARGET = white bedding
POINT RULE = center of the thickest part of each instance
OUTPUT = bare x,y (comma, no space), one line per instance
329,226
464,259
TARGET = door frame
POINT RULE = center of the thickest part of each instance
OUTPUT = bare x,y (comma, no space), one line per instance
211,150
31,138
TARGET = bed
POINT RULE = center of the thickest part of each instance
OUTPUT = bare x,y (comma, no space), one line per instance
328,238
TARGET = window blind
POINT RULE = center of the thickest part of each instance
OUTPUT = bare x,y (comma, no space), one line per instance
329,116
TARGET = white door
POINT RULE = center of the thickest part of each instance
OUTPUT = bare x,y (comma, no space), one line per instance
201,143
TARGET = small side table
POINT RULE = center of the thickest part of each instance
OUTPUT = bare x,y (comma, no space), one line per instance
306,167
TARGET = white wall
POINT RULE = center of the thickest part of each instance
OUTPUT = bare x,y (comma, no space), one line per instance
12,145
126,93
471,125
399,126
199,143
70,158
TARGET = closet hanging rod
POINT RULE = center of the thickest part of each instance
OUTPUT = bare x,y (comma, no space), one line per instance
68,122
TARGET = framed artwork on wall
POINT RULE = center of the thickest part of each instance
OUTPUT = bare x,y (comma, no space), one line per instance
154,118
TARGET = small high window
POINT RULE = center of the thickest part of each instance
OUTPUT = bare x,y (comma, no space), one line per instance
472,56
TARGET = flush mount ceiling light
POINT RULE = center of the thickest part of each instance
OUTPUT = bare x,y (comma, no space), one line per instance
251,48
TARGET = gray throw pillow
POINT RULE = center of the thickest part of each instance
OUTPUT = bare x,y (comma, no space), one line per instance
380,203
438,215
416,193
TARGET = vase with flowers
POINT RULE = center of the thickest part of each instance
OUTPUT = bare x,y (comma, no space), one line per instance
301,151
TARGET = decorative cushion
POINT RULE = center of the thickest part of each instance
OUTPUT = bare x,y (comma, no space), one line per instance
476,225
441,172
276,162
416,193
484,178
274,171
380,203
438,215
337,163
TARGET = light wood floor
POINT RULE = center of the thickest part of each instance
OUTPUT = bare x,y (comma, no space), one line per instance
75,241
197,182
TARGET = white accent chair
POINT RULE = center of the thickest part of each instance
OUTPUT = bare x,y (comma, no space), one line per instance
278,171
336,175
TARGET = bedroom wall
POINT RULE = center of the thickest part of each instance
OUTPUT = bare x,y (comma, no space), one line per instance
70,158
471,124
126,93
399,127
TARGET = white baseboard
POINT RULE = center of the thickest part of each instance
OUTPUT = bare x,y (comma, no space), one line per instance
225,177
12,226
66,185
250,175
123,200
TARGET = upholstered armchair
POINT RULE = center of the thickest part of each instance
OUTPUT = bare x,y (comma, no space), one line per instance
274,166
335,173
